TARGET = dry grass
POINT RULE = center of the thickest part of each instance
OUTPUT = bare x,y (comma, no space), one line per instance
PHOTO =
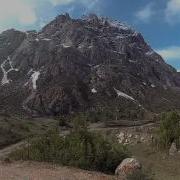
15,128
159,164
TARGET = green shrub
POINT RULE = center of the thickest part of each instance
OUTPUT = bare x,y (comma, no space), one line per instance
80,148
169,130
62,121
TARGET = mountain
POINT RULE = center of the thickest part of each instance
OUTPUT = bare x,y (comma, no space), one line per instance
87,64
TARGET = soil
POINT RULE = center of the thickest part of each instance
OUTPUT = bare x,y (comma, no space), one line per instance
43,171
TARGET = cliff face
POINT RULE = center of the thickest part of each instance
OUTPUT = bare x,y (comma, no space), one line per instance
83,64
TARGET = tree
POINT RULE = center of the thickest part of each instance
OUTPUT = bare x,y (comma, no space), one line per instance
169,130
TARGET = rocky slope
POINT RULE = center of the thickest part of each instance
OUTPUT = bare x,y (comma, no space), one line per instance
83,64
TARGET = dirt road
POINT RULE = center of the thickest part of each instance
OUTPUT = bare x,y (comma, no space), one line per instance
42,171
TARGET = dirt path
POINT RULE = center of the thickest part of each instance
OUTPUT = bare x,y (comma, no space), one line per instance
42,171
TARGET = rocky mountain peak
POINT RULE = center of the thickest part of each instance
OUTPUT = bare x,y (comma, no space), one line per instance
88,63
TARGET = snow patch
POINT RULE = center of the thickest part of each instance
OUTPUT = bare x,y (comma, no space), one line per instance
89,47
90,65
37,40
135,33
117,24
5,79
149,53
120,37
81,46
26,84
132,61
119,93
93,90
46,39
12,69
30,71
153,86
66,46
34,78
26,34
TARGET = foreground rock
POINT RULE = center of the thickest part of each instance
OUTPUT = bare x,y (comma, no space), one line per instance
127,167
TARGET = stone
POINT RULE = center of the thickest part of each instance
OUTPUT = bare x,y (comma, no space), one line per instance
121,137
127,167
173,149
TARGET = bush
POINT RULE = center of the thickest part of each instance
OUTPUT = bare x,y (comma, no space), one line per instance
62,121
80,148
169,130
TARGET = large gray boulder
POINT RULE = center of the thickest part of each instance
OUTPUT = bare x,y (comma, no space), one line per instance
128,167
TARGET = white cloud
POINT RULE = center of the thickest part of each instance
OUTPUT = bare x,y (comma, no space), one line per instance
23,14
61,2
146,13
170,53
17,10
87,3
172,11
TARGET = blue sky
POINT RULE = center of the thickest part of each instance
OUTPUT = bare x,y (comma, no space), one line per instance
157,20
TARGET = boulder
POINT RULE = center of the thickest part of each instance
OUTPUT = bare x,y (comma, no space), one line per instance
173,149
128,166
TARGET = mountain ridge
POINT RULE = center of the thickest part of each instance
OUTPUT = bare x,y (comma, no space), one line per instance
84,64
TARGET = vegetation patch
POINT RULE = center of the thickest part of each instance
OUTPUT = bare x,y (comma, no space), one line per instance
80,148
17,128
168,131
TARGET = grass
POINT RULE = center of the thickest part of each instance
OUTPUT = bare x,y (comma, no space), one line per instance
81,148
159,164
156,163
16,128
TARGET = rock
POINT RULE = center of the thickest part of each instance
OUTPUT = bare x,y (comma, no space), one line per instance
126,141
173,149
130,136
121,137
142,139
136,136
128,166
